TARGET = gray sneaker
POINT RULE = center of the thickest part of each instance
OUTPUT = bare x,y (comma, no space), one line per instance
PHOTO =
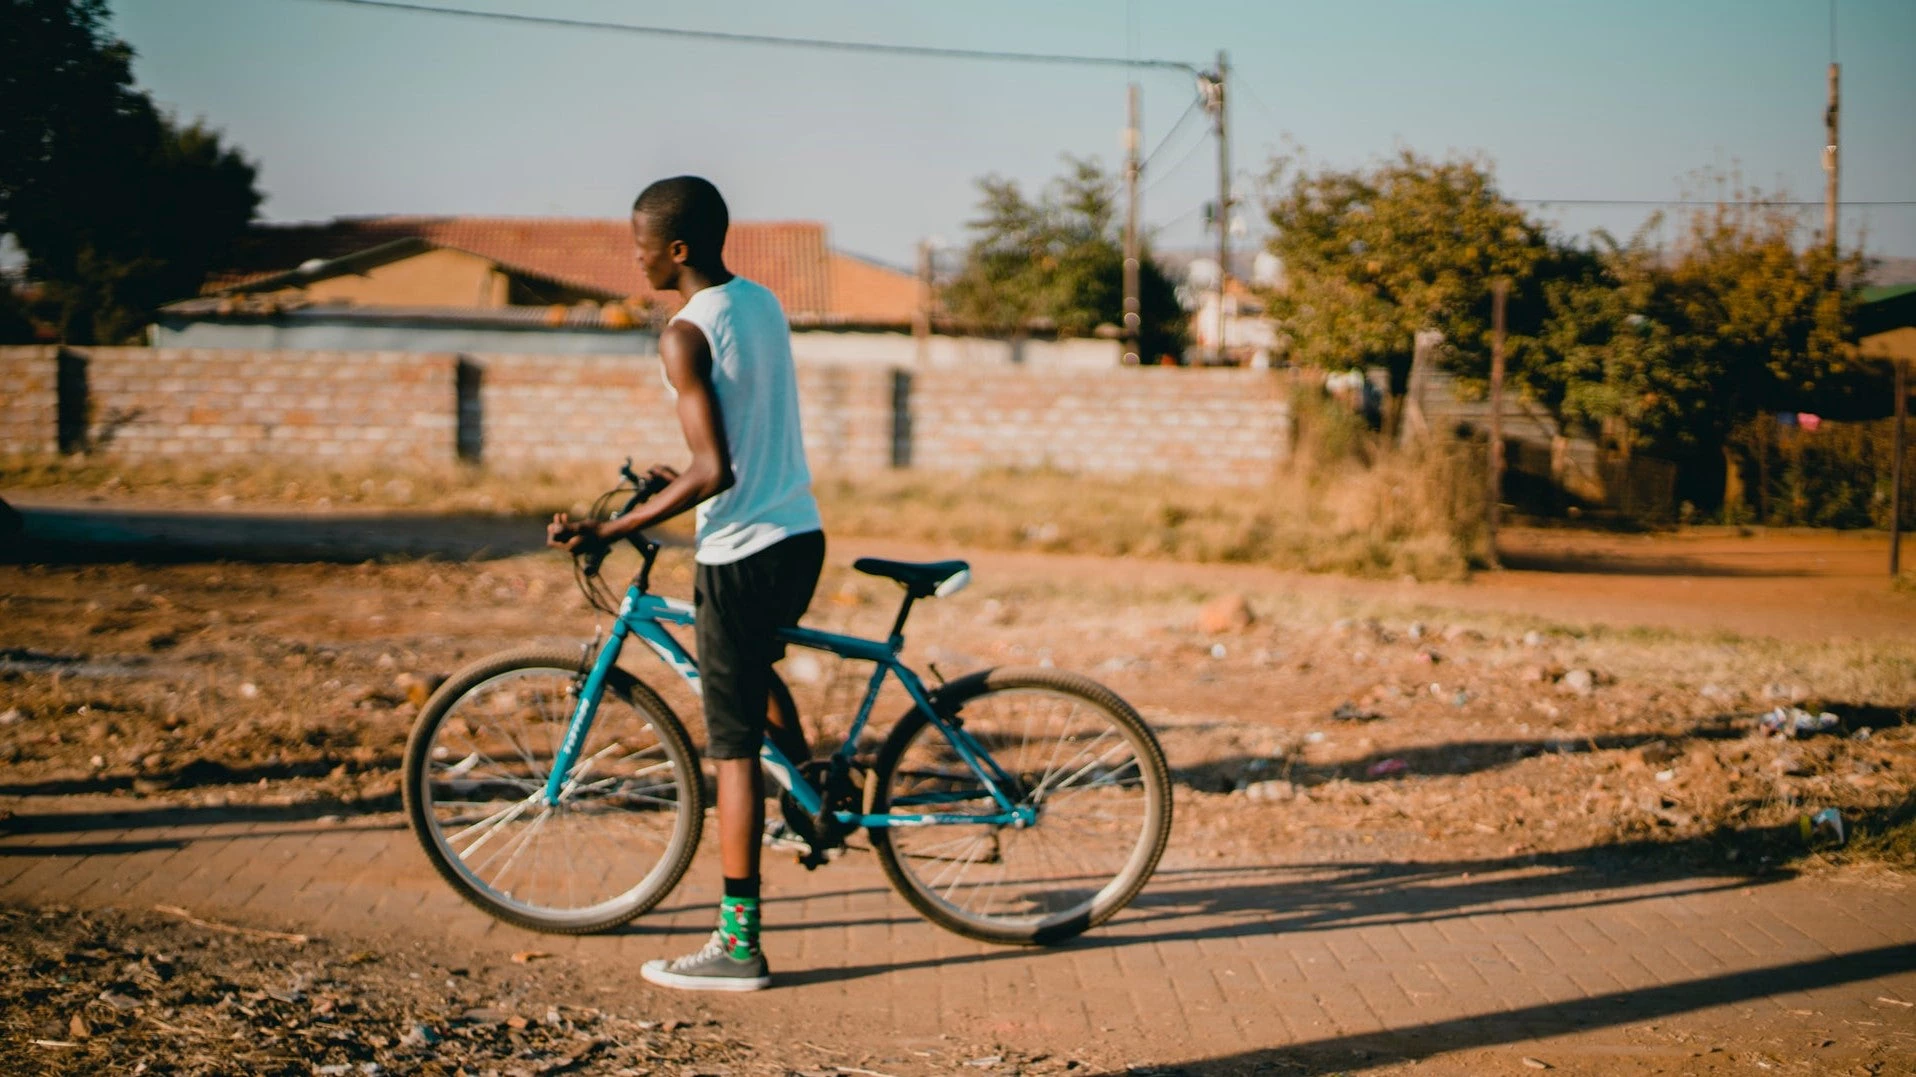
710,968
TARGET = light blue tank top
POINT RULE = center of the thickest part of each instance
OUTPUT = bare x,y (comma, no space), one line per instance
757,387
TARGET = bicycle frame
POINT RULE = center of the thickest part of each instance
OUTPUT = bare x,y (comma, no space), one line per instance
645,615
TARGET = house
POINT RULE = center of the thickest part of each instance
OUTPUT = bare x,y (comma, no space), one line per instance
505,284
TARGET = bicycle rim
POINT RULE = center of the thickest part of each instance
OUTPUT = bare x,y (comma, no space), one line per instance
1081,757
628,814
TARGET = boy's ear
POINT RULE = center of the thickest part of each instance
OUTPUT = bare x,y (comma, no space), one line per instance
679,251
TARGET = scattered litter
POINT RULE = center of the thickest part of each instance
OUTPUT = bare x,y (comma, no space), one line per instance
527,957
1417,630
1861,734
420,1036
1460,699
986,1062
1217,650
1666,775
1824,825
1314,737
1797,722
1536,1063
1384,768
1891,1001
1533,639
121,1003
1351,712
1712,691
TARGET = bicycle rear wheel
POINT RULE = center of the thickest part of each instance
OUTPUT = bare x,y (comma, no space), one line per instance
1078,754
629,814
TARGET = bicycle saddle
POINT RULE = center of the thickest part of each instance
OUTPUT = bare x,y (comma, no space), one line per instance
921,580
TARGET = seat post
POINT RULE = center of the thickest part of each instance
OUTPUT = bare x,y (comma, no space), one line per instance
898,626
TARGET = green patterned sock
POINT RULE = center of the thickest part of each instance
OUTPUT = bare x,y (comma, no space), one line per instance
738,922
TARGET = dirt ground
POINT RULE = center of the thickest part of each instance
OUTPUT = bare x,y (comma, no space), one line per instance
1601,701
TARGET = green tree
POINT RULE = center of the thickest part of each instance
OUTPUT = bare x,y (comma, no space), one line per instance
1057,262
1373,256
1610,360
118,208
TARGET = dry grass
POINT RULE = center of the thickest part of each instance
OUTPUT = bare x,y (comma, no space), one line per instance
1346,504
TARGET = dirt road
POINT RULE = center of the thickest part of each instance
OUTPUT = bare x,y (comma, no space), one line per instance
1600,872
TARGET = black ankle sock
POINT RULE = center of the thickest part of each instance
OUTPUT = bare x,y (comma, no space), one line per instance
741,888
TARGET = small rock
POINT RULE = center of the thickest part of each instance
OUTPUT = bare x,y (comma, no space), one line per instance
1533,638
1417,630
1666,775
11,716
1658,752
802,668
1274,790
1712,691
1351,712
122,1003
1579,681
1536,1063
249,690
1457,632
1218,651
1225,613
419,1036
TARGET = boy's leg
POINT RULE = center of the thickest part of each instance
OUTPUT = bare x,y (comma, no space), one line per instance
740,606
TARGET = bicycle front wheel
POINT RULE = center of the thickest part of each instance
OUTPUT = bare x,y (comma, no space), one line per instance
1077,754
629,812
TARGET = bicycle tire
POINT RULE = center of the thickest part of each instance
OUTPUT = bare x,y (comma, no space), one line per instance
1032,915
433,741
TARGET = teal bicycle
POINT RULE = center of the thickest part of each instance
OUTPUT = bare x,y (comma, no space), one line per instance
561,793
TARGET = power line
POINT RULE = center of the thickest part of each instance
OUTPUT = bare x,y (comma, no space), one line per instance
1189,155
768,39
1172,133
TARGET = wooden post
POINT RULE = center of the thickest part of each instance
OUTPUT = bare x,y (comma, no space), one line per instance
1499,293
1897,444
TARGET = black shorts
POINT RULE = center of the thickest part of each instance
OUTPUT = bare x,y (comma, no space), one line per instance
740,606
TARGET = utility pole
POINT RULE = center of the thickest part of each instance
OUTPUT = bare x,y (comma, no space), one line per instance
1898,446
1830,159
1499,293
1212,87
921,317
1133,329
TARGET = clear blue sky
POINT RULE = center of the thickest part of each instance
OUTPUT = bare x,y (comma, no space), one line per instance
354,111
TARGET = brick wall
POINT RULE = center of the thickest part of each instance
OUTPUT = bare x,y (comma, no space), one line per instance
29,404
329,406
1228,426
550,409
533,410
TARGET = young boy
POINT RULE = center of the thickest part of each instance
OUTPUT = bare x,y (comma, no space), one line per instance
727,356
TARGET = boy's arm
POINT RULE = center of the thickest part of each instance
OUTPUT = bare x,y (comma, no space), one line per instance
687,358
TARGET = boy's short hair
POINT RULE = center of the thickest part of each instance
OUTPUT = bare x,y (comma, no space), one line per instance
687,208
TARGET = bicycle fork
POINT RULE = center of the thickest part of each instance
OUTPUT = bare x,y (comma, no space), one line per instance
585,707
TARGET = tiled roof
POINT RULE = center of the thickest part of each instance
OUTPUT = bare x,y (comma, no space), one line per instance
867,292
789,257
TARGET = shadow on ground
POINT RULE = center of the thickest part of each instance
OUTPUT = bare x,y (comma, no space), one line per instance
71,536
1340,1054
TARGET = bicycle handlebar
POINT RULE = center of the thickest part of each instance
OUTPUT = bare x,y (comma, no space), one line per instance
643,487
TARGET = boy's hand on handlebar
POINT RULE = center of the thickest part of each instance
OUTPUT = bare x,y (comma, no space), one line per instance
576,536
659,476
